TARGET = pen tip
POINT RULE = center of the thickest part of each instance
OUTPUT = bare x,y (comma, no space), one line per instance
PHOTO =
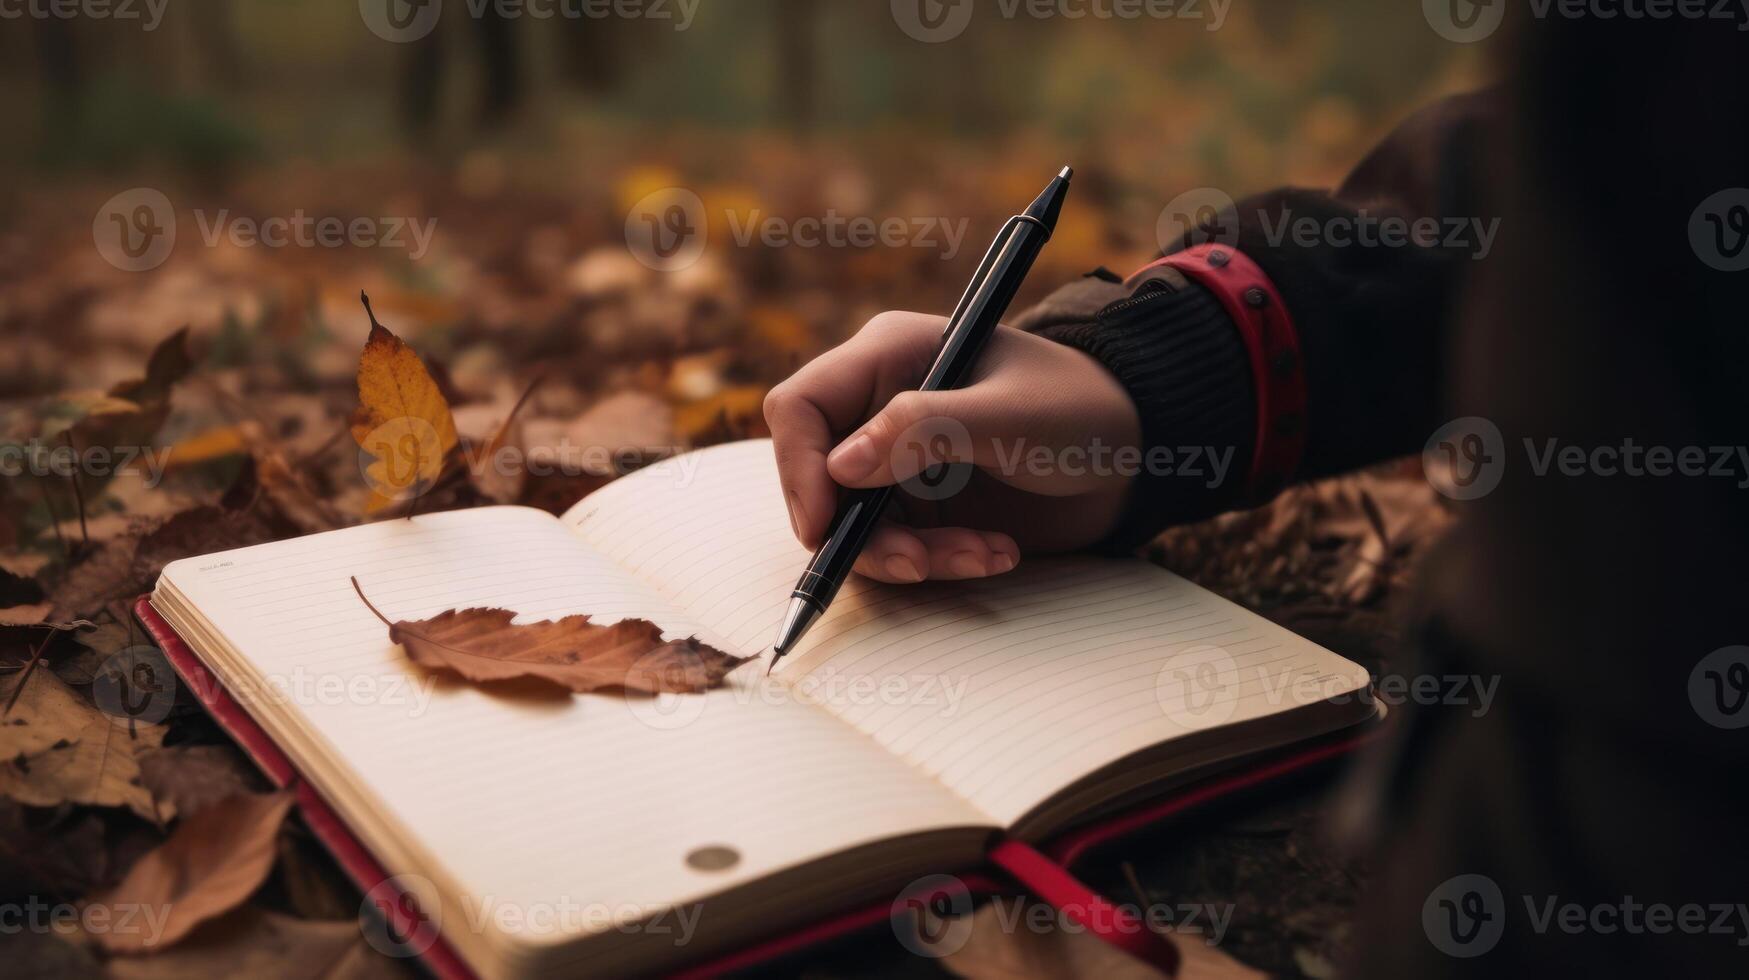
1066,172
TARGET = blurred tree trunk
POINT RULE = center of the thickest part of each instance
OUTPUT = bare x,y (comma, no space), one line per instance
593,54
422,77
215,37
62,83
797,69
498,93
501,84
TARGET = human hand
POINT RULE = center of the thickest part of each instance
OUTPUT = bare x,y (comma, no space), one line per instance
1031,420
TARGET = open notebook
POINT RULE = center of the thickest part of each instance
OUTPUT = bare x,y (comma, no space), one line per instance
910,728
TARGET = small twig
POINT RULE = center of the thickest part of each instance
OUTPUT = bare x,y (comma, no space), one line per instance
24,678
413,505
54,520
322,450
231,403
1376,518
504,429
78,494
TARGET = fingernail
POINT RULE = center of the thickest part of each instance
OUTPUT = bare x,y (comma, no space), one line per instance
855,459
1002,562
903,569
966,564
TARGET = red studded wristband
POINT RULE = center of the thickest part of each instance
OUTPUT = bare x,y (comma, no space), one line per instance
1277,370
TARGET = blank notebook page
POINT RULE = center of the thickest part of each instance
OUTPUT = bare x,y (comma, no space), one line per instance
579,798
1006,689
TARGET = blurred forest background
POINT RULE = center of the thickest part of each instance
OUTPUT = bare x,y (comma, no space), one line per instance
530,144
528,141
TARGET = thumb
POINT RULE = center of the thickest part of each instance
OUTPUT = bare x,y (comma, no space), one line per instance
915,431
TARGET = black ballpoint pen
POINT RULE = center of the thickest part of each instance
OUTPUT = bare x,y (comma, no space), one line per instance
974,319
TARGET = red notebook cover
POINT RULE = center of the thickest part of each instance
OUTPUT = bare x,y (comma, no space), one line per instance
1014,866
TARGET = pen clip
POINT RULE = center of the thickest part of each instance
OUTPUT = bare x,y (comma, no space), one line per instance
984,264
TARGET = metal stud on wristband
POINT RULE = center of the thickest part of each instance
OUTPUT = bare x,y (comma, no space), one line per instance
1273,346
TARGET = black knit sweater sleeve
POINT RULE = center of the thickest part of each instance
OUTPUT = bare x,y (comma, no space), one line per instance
1371,309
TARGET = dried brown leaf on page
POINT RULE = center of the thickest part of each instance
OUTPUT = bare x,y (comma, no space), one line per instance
213,861
403,422
573,653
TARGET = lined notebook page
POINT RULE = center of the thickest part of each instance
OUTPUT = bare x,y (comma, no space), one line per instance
708,531
1006,690
584,798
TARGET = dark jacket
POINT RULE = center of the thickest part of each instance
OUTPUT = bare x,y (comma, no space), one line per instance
1606,775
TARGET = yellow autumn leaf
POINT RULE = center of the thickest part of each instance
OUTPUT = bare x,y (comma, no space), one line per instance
639,182
208,445
781,328
403,425
739,408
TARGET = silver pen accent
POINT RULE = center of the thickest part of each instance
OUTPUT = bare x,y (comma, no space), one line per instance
796,621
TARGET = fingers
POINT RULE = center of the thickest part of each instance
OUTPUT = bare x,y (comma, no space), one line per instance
918,429
1038,415
830,396
903,555
800,438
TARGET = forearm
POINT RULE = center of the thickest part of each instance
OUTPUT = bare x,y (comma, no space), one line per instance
1369,311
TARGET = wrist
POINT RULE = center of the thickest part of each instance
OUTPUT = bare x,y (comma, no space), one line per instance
1185,373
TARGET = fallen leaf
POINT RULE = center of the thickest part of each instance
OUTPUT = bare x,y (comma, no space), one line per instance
491,470
403,421
628,423
24,563
57,748
81,664
289,492
314,886
104,574
203,447
213,861
199,531
62,855
697,376
37,954
780,327
126,566
573,653
733,413
192,777
19,590
262,945
26,615
109,425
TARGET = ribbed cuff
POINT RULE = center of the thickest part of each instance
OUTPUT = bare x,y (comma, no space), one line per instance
1184,365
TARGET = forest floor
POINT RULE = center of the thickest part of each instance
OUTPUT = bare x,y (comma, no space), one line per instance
251,431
